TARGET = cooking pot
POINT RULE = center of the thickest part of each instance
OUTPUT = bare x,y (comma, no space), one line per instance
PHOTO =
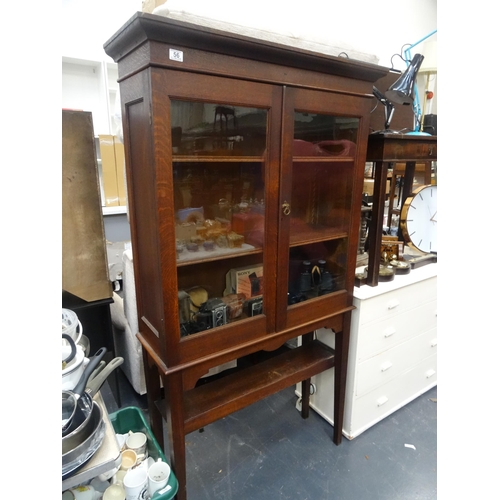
74,369
66,358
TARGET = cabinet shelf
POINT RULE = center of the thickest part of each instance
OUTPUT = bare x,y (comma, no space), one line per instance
212,401
322,159
253,159
316,235
216,159
202,256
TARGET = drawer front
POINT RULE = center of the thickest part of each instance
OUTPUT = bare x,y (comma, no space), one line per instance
378,336
390,364
382,401
410,151
392,303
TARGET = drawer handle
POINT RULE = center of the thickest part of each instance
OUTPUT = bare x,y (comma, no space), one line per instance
389,332
386,366
381,401
434,343
430,373
393,304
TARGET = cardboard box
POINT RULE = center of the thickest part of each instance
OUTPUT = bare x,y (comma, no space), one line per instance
113,171
120,172
246,280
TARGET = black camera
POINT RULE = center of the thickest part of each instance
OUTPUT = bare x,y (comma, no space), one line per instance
212,313
254,306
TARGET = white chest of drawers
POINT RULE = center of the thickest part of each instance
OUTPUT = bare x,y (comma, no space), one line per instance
392,352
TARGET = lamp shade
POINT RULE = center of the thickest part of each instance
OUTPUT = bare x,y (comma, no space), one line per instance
402,90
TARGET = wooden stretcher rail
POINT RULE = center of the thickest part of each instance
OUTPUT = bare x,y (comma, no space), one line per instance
215,400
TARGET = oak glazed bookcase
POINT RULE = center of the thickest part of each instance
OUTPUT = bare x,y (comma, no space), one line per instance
245,163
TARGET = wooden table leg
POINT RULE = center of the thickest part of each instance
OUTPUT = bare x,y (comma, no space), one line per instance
376,225
341,355
306,391
408,180
306,384
407,188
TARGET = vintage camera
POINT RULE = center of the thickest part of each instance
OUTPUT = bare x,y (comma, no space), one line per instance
212,313
254,306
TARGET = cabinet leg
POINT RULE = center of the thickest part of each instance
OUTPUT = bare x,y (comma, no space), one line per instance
175,425
306,384
306,391
341,354
153,393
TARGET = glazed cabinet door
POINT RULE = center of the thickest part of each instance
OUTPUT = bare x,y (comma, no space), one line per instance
221,168
321,170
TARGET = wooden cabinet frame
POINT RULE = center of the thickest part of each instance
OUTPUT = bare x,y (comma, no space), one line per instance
279,79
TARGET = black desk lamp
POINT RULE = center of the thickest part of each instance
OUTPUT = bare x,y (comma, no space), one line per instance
389,111
402,91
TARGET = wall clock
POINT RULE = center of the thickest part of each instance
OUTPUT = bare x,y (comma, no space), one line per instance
419,219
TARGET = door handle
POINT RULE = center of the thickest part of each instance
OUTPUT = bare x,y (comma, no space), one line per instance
286,208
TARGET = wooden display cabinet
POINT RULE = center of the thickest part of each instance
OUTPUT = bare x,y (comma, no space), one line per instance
240,153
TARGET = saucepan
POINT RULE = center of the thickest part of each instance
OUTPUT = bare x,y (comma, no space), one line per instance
85,403
67,357
80,445
73,363
73,405
95,382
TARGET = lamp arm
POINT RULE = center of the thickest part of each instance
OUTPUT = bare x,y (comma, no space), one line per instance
407,51
389,107
417,110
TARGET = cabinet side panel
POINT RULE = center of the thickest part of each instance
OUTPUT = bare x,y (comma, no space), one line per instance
143,207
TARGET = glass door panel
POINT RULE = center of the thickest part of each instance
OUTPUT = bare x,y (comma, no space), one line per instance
324,149
219,165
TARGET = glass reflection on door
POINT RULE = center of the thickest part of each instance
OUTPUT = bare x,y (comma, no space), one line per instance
219,167
323,157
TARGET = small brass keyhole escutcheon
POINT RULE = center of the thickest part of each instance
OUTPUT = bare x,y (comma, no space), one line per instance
286,208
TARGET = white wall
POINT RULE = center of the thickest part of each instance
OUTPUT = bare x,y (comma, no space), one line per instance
380,28
88,24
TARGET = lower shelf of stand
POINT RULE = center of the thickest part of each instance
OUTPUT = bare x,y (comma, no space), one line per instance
212,401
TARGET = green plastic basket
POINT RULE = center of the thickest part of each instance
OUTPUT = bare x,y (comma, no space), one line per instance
132,419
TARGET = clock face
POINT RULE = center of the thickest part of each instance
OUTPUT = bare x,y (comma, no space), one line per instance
419,219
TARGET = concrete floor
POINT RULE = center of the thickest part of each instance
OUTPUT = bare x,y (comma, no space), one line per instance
268,452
